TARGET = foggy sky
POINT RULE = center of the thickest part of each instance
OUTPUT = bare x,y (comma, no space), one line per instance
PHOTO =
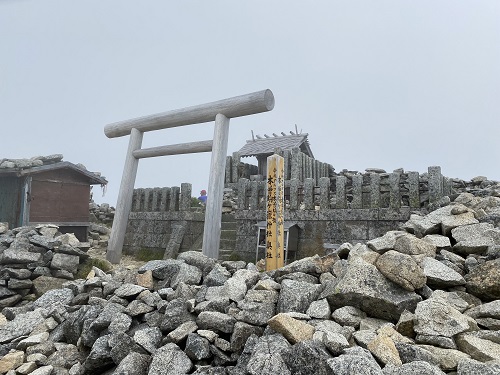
375,84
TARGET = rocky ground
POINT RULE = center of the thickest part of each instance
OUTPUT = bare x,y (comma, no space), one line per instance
422,300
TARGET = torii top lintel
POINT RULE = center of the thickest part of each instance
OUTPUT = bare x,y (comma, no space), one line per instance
238,106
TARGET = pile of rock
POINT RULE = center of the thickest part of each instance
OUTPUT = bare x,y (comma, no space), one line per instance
101,214
36,259
36,161
423,300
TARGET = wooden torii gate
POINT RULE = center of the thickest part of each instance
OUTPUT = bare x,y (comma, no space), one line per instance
220,112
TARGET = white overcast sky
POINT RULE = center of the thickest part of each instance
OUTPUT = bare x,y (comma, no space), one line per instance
375,84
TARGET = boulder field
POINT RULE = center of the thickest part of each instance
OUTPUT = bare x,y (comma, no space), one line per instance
421,300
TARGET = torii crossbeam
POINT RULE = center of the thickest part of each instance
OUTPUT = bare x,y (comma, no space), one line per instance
220,112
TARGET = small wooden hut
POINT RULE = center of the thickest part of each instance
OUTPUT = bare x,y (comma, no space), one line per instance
47,190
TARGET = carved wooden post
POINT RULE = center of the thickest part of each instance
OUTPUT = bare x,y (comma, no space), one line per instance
275,235
124,202
213,212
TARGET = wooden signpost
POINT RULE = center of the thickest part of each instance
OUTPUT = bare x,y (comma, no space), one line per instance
221,112
275,236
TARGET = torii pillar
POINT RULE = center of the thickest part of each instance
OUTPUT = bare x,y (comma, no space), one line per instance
221,112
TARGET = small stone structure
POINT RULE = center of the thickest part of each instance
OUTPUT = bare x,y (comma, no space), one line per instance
345,207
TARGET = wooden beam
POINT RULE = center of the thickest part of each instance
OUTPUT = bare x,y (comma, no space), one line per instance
124,202
248,104
213,212
182,148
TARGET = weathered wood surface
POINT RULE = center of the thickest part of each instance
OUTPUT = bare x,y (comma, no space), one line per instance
213,213
182,148
275,235
124,202
243,105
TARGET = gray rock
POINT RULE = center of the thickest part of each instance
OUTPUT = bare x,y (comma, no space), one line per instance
217,276
13,256
364,337
437,318
43,241
148,338
258,307
479,349
484,280
133,364
410,353
299,276
334,342
106,316
99,357
136,307
440,275
401,269
22,325
170,360
197,347
447,358
176,313
235,288
217,304
44,370
441,242
475,238
439,341
162,269
197,259
319,309
120,324
364,287
411,245
216,321
354,364
181,332
307,358
384,243
413,368
186,274
312,265
471,366
65,262
241,332
486,310
348,316
297,296
267,358
121,344
129,290
54,296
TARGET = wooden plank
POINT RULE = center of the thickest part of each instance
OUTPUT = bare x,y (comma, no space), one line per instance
178,149
124,202
213,213
275,235
243,105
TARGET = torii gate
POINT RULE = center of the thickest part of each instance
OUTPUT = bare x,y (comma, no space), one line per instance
220,112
